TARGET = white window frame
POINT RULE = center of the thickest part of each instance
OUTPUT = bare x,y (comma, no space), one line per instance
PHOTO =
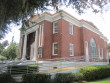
40,50
71,45
71,29
55,27
93,48
53,53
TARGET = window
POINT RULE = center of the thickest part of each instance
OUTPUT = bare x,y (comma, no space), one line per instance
55,48
71,50
40,51
92,48
55,27
71,29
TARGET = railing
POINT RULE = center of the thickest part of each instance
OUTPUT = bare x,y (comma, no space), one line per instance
49,64
6,66
22,70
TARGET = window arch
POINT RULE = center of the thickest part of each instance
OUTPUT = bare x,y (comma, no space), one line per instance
93,48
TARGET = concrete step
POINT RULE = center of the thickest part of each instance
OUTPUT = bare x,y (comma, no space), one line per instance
17,78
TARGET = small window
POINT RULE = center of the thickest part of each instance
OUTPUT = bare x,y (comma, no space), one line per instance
40,51
71,50
55,48
71,29
55,27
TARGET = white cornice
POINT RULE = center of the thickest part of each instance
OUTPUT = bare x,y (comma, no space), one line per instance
30,30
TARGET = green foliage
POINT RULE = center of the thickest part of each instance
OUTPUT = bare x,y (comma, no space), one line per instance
23,69
106,80
6,78
36,78
64,78
11,52
2,58
3,45
78,76
95,72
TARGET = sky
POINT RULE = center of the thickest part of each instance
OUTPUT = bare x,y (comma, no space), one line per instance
101,20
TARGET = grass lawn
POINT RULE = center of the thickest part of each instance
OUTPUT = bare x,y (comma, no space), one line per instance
107,80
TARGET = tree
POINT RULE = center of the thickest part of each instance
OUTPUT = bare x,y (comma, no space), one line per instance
3,45
2,58
11,52
18,11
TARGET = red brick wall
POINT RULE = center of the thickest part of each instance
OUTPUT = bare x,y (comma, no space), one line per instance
87,35
67,39
47,44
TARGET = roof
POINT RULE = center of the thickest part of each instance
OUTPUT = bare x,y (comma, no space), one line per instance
90,23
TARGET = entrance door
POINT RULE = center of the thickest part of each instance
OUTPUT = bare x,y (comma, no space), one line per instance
86,51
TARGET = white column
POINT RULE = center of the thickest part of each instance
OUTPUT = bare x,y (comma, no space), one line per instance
20,47
87,51
24,47
107,57
36,50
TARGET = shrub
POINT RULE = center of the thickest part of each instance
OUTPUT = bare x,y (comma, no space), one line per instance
6,78
78,76
36,78
95,72
64,78
22,69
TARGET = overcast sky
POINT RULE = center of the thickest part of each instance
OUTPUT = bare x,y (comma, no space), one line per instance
102,21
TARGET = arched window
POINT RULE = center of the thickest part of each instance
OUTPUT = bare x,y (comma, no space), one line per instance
93,48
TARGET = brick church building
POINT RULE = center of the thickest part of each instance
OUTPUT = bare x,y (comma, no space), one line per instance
60,35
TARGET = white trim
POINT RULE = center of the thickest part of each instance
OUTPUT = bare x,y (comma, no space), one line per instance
55,27
72,49
71,29
35,47
87,51
53,48
30,30
24,47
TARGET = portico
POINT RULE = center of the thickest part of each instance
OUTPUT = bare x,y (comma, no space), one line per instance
33,46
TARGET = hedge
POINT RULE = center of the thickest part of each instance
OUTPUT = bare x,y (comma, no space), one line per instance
6,78
36,78
95,72
64,78
22,69
78,76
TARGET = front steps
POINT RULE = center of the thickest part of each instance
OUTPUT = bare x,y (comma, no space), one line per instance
17,78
